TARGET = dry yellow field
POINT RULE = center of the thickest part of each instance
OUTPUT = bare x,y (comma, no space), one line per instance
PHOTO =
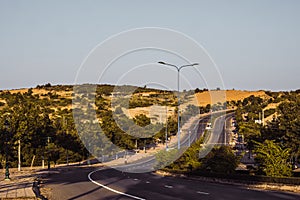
204,98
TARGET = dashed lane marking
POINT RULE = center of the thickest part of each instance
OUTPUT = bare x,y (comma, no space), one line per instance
199,192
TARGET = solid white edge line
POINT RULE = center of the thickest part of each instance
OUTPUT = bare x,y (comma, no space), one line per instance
110,189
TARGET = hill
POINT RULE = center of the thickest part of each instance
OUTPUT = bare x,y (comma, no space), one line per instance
64,93
199,99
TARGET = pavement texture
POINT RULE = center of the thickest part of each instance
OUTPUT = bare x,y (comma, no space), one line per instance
20,185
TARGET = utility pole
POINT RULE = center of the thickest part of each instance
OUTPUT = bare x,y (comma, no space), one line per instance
19,155
48,141
189,138
263,117
166,128
65,128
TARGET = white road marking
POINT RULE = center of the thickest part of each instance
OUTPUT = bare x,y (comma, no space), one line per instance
110,189
135,179
147,182
168,186
199,192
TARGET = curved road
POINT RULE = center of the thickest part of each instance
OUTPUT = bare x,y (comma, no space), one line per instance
75,184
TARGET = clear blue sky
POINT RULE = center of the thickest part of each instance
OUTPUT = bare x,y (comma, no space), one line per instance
255,44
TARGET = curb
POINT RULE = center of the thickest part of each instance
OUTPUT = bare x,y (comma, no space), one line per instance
254,185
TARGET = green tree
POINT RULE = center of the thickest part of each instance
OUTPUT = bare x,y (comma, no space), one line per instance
189,161
273,159
289,122
220,160
142,120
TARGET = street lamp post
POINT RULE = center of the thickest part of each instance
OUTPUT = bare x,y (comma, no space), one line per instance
19,155
189,138
166,128
6,124
178,106
48,152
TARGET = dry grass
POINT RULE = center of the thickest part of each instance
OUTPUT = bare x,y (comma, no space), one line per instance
64,94
205,98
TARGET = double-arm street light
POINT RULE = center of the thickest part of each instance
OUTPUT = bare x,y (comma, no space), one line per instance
178,106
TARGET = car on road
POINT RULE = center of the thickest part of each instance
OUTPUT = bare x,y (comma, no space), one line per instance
208,126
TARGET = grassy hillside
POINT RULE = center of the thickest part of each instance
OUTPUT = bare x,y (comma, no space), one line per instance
140,100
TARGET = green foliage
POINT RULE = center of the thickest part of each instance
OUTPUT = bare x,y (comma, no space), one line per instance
273,159
197,90
269,112
189,160
220,160
207,108
289,122
283,130
31,120
190,111
142,120
164,158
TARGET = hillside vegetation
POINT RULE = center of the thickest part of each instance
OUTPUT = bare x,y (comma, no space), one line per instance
42,118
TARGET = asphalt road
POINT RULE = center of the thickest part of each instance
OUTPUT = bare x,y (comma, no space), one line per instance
75,184
106,183
225,134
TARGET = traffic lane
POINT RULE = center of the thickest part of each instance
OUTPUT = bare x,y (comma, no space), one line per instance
196,133
216,131
140,166
74,184
151,186
145,186
223,138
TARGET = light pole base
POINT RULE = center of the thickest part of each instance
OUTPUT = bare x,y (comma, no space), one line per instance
7,173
